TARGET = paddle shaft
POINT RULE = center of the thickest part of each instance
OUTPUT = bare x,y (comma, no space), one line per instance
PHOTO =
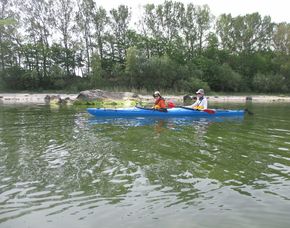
153,109
209,111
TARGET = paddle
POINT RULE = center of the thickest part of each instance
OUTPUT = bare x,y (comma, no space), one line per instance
153,109
209,111
249,112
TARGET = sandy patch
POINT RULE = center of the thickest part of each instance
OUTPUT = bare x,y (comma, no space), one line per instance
30,98
38,98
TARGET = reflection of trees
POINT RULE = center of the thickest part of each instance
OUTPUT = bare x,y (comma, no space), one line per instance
52,147
58,148
223,152
173,160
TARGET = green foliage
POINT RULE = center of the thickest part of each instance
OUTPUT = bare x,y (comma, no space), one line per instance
159,72
270,83
7,21
227,79
12,77
132,66
247,33
56,72
96,74
3,85
106,104
281,38
175,47
193,84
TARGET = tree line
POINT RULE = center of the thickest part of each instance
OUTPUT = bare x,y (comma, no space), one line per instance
77,44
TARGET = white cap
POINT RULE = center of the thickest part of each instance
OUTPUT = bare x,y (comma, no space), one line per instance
201,91
156,93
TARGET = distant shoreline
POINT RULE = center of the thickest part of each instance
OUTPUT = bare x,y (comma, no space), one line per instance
38,98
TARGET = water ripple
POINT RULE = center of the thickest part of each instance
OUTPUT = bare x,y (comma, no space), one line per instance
59,165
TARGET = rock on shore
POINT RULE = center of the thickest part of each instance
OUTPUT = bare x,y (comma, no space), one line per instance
101,95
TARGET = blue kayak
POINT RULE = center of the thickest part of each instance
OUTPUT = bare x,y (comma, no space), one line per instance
172,112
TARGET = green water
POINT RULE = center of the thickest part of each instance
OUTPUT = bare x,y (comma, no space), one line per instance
59,167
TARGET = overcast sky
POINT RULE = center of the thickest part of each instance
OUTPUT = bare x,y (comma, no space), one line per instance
277,9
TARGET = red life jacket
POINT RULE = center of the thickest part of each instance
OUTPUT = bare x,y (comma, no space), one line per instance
160,103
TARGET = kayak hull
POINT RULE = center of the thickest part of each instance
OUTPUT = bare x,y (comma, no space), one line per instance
173,112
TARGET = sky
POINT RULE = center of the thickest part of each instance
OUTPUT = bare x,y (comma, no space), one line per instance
277,9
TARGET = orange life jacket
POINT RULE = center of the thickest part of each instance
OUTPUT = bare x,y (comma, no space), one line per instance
160,103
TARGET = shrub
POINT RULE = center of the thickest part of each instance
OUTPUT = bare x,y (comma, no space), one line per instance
269,83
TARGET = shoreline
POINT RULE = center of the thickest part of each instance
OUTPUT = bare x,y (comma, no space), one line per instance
39,98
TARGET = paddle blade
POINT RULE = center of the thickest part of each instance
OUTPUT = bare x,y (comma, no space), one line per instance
209,111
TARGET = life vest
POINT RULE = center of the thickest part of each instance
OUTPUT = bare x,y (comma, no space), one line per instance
198,104
199,107
170,104
160,103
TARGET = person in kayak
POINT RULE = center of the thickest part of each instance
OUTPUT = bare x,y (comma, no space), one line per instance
159,101
201,102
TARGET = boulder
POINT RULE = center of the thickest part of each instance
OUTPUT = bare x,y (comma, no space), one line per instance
188,99
101,95
54,99
249,98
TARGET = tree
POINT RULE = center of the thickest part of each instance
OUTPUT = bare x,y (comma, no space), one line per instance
96,74
84,22
281,38
189,29
8,25
38,20
63,22
247,33
120,19
269,83
132,67
101,21
203,20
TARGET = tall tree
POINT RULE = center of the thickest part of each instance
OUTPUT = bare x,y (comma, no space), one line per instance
38,21
151,30
245,33
120,19
281,38
101,21
84,22
63,12
203,21
8,25
195,26
189,29
161,27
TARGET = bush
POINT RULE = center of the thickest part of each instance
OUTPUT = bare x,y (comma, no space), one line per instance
2,82
192,85
223,78
269,83
12,78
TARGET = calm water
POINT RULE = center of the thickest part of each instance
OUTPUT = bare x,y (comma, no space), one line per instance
59,167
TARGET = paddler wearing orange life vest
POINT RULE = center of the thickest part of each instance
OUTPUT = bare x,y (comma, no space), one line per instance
201,102
159,101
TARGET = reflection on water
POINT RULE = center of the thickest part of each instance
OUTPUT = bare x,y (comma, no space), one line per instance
142,121
63,168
